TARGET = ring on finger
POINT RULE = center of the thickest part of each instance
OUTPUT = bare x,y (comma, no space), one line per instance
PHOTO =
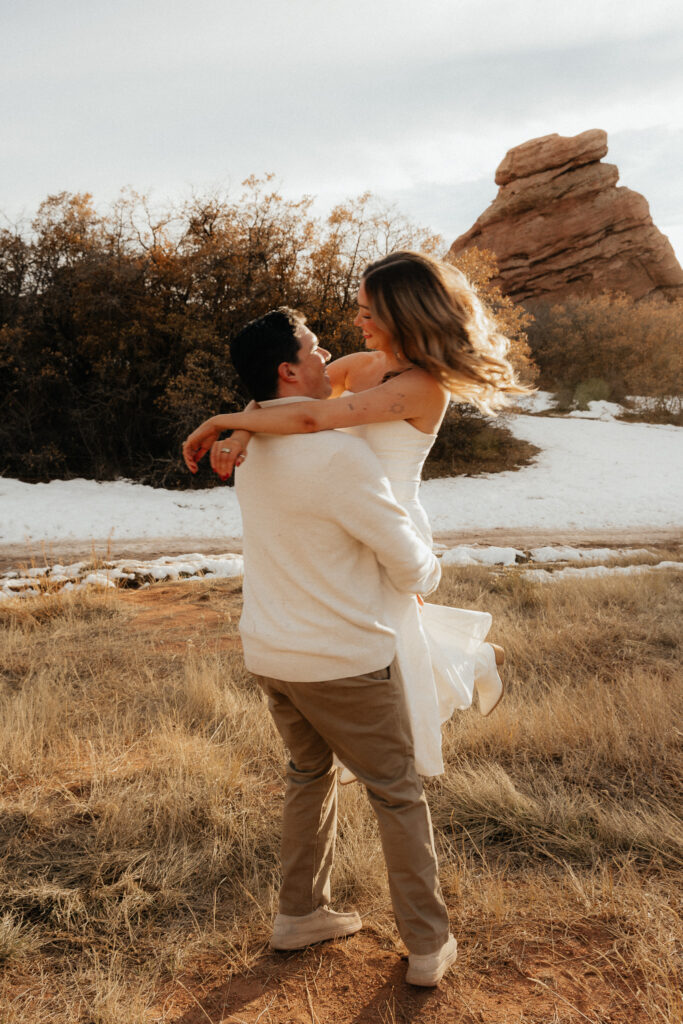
226,451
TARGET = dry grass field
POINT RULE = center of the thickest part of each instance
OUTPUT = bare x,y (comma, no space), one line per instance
141,792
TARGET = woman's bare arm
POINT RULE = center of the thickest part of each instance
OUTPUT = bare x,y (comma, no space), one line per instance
339,369
412,395
206,438
225,456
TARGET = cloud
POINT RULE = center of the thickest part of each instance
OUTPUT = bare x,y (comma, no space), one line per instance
448,209
645,159
334,98
79,36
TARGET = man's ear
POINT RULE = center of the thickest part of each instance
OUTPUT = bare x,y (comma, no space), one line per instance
287,372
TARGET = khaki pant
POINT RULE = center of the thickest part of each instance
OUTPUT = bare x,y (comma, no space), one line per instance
363,720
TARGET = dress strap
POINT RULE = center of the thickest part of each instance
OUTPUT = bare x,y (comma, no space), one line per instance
395,373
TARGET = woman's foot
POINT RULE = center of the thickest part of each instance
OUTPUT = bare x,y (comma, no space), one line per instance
487,682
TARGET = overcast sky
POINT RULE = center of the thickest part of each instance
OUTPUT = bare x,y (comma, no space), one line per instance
416,102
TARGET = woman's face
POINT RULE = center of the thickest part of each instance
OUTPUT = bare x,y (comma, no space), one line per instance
375,336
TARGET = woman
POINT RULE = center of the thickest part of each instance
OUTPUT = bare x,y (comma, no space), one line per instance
428,339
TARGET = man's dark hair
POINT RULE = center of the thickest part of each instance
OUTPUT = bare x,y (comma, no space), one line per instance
261,346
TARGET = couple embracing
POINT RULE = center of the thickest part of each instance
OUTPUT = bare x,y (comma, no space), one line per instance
358,672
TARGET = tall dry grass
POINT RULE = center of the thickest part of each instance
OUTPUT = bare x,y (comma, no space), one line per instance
141,794
580,760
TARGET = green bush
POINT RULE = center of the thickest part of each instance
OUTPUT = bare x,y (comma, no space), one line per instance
593,390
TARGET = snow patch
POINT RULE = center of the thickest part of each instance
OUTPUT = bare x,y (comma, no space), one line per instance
540,401
591,474
598,410
463,555
110,574
595,572
646,403
569,554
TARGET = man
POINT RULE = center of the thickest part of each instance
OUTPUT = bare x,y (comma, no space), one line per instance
320,525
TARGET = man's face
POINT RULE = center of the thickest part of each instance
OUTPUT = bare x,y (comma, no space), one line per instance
309,374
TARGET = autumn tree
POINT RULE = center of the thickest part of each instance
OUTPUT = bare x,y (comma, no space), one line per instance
354,234
480,267
238,259
624,347
114,325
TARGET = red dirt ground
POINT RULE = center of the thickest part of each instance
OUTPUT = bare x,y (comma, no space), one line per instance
360,981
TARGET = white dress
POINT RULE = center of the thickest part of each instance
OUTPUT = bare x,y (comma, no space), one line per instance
437,646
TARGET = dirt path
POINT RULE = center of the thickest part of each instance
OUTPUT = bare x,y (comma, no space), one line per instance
556,977
12,555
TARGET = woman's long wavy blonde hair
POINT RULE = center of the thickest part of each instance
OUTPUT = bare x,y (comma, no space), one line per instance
433,314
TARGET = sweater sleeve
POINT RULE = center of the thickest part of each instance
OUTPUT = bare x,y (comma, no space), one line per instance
362,503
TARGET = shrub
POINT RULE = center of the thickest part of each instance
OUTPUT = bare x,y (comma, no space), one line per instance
609,346
469,443
114,327
593,390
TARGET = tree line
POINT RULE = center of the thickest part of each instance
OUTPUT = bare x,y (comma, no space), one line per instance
114,325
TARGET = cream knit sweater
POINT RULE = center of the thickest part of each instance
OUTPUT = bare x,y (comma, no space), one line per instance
319,521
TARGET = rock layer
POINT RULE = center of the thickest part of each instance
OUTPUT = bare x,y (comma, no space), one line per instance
560,226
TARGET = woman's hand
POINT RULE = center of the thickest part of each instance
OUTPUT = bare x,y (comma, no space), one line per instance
199,442
229,453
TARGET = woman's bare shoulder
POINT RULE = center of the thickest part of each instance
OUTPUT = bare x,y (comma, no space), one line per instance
427,396
352,372
418,379
365,371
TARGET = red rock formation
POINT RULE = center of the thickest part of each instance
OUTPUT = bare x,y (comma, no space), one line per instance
560,226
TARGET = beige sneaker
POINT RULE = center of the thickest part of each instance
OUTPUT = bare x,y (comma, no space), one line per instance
296,932
430,968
